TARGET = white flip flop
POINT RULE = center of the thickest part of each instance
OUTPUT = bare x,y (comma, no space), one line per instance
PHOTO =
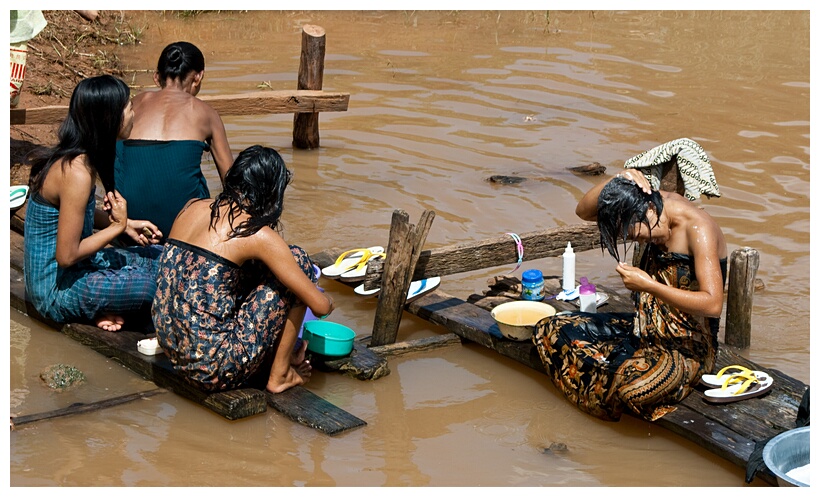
738,387
349,260
717,380
18,193
417,288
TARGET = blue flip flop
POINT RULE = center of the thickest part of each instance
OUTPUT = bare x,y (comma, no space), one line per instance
19,193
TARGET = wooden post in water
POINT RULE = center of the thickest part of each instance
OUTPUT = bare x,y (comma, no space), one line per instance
742,271
311,70
403,250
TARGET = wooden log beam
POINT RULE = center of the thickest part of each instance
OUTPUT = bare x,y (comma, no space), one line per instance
742,271
311,72
245,104
501,250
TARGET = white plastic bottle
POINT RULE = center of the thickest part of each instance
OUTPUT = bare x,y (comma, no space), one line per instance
588,300
568,281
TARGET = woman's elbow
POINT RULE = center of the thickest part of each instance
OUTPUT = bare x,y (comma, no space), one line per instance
65,261
714,309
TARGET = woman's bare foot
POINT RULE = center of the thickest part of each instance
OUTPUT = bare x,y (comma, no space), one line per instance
298,373
280,383
110,322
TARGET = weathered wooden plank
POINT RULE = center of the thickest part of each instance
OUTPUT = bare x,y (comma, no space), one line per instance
404,248
728,430
16,251
245,104
80,407
501,250
122,346
417,345
362,363
305,407
394,280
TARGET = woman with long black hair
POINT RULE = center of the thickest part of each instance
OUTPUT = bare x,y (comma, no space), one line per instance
231,292
69,272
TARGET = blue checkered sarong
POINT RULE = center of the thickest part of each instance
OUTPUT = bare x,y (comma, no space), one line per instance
112,281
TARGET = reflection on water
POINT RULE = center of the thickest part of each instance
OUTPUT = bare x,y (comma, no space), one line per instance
441,101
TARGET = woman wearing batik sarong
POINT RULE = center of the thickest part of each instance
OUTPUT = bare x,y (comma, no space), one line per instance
231,293
646,361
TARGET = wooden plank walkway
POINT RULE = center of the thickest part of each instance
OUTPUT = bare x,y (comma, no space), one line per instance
727,430
298,403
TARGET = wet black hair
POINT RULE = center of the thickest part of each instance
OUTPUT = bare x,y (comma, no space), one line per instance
178,60
622,204
255,184
91,127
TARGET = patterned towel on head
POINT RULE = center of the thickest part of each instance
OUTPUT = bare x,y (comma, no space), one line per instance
693,164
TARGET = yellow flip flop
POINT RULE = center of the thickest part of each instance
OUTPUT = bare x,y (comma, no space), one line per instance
357,272
716,380
737,387
349,260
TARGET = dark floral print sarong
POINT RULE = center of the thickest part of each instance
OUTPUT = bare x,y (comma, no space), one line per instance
217,321
645,362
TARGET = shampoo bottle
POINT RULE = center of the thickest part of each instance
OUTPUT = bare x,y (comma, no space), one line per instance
568,282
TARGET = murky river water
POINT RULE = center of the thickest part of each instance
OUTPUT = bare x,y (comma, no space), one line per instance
439,102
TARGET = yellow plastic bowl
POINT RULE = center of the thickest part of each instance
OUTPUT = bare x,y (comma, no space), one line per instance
516,320
328,338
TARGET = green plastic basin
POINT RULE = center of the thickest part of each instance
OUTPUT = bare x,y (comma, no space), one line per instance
328,338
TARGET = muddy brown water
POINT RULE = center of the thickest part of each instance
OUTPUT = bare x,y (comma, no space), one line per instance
441,101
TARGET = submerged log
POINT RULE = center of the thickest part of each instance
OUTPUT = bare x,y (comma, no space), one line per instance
81,408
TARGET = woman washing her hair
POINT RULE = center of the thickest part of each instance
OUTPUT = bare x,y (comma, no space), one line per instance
158,168
231,293
69,273
647,361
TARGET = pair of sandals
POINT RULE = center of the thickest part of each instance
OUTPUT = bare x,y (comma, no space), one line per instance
734,383
351,265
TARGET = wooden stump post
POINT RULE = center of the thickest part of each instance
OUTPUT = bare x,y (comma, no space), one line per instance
403,250
742,271
311,71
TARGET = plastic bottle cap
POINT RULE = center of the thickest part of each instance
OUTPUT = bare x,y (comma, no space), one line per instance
532,276
586,287
568,250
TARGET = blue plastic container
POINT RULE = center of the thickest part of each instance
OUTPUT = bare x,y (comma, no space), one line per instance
328,338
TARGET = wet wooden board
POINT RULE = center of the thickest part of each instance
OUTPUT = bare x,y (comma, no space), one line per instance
727,430
310,410
307,408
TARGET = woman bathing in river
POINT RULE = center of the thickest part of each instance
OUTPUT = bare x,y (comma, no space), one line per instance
231,292
649,360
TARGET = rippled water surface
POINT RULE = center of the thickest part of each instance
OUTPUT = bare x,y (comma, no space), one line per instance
439,102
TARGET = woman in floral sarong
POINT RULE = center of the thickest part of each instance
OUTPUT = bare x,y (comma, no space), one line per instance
646,361
231,293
